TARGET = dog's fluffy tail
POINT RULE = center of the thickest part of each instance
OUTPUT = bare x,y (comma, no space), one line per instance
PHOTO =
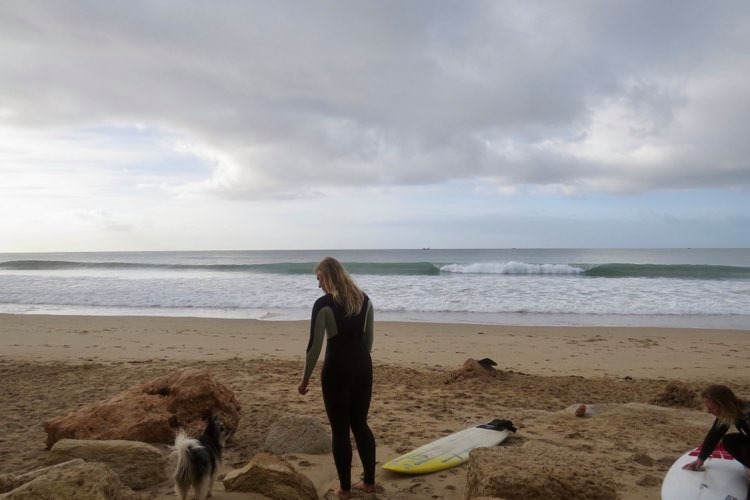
183,445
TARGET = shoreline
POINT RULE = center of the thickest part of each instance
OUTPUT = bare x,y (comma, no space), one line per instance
712,322
51,365
674,353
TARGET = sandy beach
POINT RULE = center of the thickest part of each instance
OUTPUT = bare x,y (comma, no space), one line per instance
51,365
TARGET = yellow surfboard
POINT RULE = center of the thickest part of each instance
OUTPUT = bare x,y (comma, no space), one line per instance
451,450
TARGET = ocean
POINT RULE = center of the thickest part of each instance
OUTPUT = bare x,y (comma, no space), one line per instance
701,288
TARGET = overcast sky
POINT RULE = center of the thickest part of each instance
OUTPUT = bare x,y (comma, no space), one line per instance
170,125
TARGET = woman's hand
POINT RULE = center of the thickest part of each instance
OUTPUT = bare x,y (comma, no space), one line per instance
302,387
694,465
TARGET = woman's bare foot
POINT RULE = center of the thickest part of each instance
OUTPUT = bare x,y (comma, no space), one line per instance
343,494
362,486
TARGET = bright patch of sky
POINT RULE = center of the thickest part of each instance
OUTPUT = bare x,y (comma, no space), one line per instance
225,125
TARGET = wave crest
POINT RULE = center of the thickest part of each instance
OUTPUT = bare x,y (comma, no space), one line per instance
511,268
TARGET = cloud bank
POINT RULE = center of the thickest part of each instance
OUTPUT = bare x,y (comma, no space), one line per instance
284,98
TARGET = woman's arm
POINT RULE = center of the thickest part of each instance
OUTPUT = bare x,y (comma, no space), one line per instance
369,326
317,335
713,437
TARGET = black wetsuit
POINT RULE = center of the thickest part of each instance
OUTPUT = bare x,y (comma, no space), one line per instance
346,380
736,443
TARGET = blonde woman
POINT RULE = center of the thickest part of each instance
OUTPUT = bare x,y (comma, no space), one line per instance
728,409
344,318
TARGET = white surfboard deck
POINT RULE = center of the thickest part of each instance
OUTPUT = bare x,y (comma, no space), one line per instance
446,452
722,478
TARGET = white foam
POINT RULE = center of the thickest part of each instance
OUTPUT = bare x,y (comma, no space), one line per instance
511,268
470,289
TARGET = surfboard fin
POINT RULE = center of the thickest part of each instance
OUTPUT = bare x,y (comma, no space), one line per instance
500,425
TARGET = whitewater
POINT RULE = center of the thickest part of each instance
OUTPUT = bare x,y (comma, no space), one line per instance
620,287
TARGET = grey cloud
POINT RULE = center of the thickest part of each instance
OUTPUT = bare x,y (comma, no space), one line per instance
373,93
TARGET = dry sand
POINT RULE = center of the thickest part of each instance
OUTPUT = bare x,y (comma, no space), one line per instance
54,364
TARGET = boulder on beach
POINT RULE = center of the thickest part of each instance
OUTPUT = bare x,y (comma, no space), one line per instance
151,412
138,465
272,476
297,434
74,479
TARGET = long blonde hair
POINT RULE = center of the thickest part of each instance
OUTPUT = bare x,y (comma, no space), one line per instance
335,280
731,407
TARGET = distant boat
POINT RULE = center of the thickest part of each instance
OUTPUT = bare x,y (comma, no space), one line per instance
425,248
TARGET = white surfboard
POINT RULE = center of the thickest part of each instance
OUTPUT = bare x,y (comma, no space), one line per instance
722,478
451,450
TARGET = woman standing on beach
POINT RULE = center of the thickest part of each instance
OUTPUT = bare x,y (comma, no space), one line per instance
728,409
344,317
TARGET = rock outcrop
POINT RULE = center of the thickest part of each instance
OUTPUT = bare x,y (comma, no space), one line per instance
152,411
9,481
272,476
75,479
138,465
297,434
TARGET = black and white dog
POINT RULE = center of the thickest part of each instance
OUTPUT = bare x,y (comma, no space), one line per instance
199,460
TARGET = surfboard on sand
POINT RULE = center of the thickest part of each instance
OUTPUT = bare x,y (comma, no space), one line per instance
722,478
451,450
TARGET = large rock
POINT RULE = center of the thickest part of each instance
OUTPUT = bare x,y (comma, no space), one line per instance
297,434
151,412
9,481
272,476
76,479
138,465
537,470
